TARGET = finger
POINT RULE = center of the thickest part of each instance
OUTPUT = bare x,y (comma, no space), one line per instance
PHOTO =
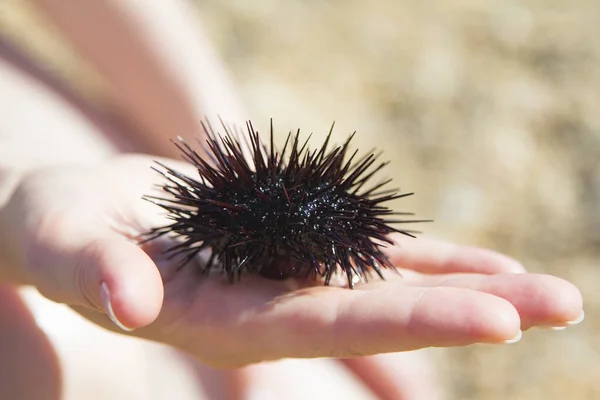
96,269
541,300
434,257
398,376
329,322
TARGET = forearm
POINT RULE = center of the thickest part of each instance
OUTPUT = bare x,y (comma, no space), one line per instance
162,72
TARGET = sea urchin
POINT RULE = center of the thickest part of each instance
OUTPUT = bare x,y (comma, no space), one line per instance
279,215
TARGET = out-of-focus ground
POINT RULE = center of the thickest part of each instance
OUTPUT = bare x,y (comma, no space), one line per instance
489,111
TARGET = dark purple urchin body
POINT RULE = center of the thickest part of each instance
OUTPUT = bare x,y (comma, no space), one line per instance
279,216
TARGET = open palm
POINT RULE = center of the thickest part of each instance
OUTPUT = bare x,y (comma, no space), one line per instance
79,247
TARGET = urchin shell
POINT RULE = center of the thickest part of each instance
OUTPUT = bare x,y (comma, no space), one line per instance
297,212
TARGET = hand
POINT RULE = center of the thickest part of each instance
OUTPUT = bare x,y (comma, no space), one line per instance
77,246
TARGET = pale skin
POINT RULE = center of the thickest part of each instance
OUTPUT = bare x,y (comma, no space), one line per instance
71,231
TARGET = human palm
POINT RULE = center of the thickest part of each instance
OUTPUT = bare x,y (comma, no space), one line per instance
79,246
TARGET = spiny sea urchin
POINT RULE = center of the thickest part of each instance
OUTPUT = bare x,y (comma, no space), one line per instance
279,215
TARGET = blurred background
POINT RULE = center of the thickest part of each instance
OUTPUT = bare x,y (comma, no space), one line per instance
488,110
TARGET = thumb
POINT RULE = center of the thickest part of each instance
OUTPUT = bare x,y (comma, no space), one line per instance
108,274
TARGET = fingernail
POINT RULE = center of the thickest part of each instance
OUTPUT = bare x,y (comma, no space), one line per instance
105,296
577,320
515,339
564,326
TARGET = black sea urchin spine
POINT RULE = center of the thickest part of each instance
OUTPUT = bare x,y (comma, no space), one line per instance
279,215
